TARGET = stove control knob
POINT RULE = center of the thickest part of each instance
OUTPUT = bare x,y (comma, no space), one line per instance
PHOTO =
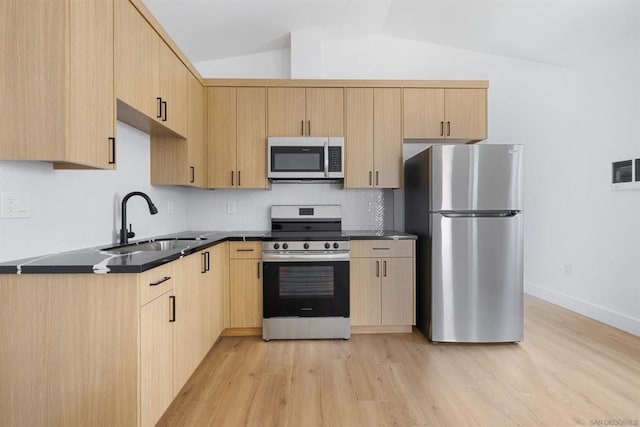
306,246
276,246
327,245
336,245
285,246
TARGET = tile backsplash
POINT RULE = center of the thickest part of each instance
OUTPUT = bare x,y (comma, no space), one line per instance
362,209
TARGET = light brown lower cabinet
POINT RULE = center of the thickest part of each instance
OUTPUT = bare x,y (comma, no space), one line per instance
382,283
106,349
245,284
156,358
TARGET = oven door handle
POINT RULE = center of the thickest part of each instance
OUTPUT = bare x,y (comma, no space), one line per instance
332,257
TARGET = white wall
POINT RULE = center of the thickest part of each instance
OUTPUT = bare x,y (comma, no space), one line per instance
73,209
582,248
274,64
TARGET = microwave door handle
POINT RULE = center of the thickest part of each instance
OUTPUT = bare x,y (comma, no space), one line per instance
326,159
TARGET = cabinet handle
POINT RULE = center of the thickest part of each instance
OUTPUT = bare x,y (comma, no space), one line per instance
232,172
112,160
258,269
173,308
193,174
448,128
160,281
164,119
384,268
204,263
441,128
381,249
244,250
159,108
309,128
239,179
302,127
377,177
370,179
208,260
377,268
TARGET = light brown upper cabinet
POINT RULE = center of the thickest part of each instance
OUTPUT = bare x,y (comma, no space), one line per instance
150,78
56,80
237,143
373,141
452,113
176,161
305,112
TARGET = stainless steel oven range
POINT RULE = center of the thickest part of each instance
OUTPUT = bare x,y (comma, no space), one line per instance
306,274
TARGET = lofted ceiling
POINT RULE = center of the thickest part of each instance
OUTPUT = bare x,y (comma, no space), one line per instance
550,31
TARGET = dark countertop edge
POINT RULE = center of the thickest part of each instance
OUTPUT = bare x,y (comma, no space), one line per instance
393,236
140,268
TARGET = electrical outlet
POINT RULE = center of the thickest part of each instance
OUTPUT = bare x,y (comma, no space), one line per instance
15,205
568,269
170,207
231,207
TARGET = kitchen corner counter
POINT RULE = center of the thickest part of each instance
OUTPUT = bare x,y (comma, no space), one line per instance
378,235
99,261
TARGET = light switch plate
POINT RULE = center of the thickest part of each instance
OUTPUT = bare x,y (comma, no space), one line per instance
15,205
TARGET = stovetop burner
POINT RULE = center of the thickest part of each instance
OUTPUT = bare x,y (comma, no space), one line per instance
306,228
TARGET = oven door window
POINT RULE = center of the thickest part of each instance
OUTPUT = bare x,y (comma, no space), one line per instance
306,289
297,159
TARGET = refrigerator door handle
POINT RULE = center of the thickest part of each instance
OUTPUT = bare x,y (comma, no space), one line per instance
499,214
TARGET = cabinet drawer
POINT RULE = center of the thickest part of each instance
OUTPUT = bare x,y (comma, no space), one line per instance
381,248
245,250
155,282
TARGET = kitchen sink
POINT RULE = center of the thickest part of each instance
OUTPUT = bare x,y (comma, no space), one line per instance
152,246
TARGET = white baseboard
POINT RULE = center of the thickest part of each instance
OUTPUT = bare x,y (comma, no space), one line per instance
601,314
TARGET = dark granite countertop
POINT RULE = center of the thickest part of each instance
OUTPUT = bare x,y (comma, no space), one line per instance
99,260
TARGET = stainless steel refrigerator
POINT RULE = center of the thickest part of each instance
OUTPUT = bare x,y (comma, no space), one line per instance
465,203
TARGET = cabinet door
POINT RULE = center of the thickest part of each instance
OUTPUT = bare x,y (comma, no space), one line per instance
245,293
91,90
397,291
286,111
359,138
218,285
34,81
188,335
172,90
387,137
466,113
364,290
156,359
196,172
324,111
251,133
221,144
136,60
423,113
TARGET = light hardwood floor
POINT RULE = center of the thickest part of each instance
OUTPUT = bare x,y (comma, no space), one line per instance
570,370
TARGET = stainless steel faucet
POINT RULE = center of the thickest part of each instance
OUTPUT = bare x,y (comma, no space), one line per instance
125,234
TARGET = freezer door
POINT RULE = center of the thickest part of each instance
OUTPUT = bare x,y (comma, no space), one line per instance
476,177
476,278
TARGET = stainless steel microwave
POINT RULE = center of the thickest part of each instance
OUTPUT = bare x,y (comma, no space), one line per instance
305,157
